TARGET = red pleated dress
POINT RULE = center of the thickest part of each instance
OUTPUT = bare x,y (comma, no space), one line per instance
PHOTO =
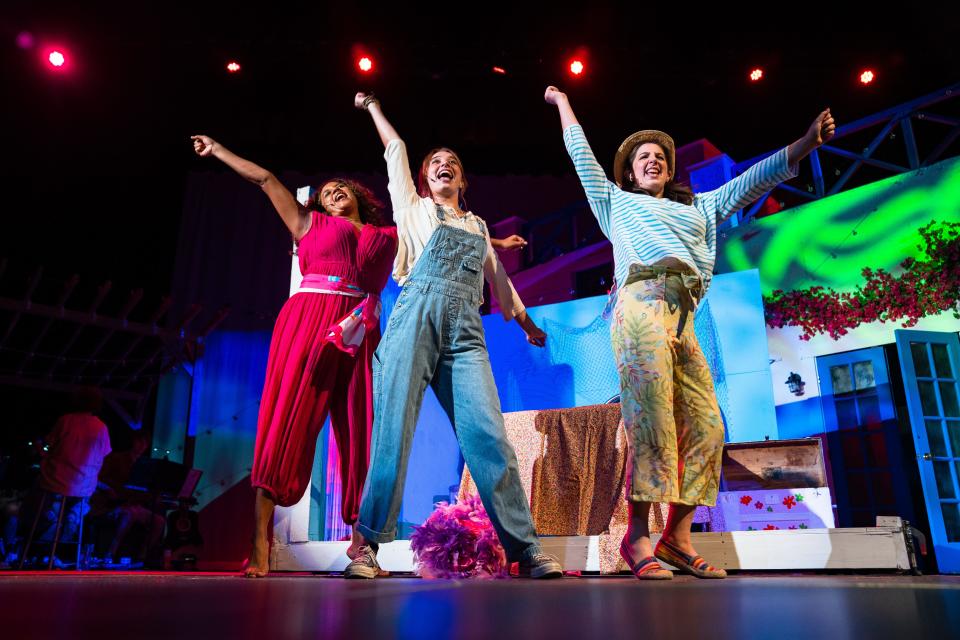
309,377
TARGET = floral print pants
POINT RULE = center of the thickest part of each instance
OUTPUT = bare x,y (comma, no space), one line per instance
669,405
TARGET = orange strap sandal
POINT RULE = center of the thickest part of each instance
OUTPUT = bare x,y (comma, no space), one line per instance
647,568
694,565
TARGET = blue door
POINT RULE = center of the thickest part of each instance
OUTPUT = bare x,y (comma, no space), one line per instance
862,438
931,366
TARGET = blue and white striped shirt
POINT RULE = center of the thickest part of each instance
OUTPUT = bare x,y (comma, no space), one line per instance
644,229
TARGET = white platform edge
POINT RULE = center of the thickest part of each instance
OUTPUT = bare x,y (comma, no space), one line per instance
784,550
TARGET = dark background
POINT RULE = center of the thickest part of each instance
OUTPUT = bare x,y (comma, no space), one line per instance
95,159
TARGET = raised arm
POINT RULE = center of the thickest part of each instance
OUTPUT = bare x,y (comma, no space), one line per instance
371,105
766,174
559,99
403,193
293,215
594,181
820,130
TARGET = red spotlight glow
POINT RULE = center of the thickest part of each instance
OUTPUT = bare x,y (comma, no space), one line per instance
233,66
365,64
577,67
867,76
500,70
56,59
756,74
25,40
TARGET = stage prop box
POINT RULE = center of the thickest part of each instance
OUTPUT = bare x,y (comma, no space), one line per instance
775,484
572,466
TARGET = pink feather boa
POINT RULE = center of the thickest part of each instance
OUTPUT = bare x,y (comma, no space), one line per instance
458,541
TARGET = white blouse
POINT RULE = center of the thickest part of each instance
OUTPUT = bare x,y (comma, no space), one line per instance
416,220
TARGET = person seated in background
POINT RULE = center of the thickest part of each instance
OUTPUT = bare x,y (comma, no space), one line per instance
75,450
124,508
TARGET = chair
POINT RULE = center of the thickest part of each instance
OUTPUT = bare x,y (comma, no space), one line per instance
59,529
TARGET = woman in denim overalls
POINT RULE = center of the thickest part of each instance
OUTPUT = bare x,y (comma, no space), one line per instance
435,336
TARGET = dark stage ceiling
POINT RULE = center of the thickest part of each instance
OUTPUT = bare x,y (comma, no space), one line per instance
95,157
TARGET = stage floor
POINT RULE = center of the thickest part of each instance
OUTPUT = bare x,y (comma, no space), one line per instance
137,605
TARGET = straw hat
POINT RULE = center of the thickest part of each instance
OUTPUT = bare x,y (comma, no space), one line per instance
638,138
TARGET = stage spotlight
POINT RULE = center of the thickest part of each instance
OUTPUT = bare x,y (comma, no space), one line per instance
577,67
500,70
365,64
756,74
867,76
233,66
56,59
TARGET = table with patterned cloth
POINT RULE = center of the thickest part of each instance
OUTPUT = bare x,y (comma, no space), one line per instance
572,465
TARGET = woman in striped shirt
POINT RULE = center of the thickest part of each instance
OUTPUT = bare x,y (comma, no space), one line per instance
664,248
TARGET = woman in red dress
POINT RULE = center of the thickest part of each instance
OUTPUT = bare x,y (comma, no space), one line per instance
322,344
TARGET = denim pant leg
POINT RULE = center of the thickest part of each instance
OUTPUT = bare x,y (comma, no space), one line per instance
402,367
465,388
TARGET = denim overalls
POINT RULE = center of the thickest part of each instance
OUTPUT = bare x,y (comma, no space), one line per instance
435,336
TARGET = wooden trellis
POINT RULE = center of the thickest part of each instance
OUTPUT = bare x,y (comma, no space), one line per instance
52,338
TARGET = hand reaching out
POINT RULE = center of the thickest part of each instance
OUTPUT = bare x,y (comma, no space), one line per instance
822,129
203,145
535,335
511,243
553,95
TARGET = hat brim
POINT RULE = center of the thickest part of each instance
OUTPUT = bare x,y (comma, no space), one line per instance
638,138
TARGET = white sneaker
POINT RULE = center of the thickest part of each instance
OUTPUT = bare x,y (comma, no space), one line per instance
364,565
540,566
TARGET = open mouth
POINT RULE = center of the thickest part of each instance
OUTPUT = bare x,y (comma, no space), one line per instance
445,173
339,196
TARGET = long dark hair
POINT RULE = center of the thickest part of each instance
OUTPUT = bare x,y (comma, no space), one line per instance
369,206
673,190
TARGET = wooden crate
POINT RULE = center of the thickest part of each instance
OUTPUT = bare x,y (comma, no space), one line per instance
775,484
774,464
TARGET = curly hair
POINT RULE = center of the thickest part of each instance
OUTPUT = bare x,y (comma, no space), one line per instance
673,190
370,208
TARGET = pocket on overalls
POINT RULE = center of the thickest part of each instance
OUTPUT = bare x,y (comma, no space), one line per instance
471,264
446,251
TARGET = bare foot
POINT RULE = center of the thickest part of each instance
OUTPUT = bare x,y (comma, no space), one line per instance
684,545
258,564
641,548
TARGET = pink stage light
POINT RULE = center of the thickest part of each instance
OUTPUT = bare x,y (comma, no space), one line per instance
233,66
756,74
56,59
365,64
577,67
500,70
867,76
25,40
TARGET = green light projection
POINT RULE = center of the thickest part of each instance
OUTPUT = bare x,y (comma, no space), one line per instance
829,241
